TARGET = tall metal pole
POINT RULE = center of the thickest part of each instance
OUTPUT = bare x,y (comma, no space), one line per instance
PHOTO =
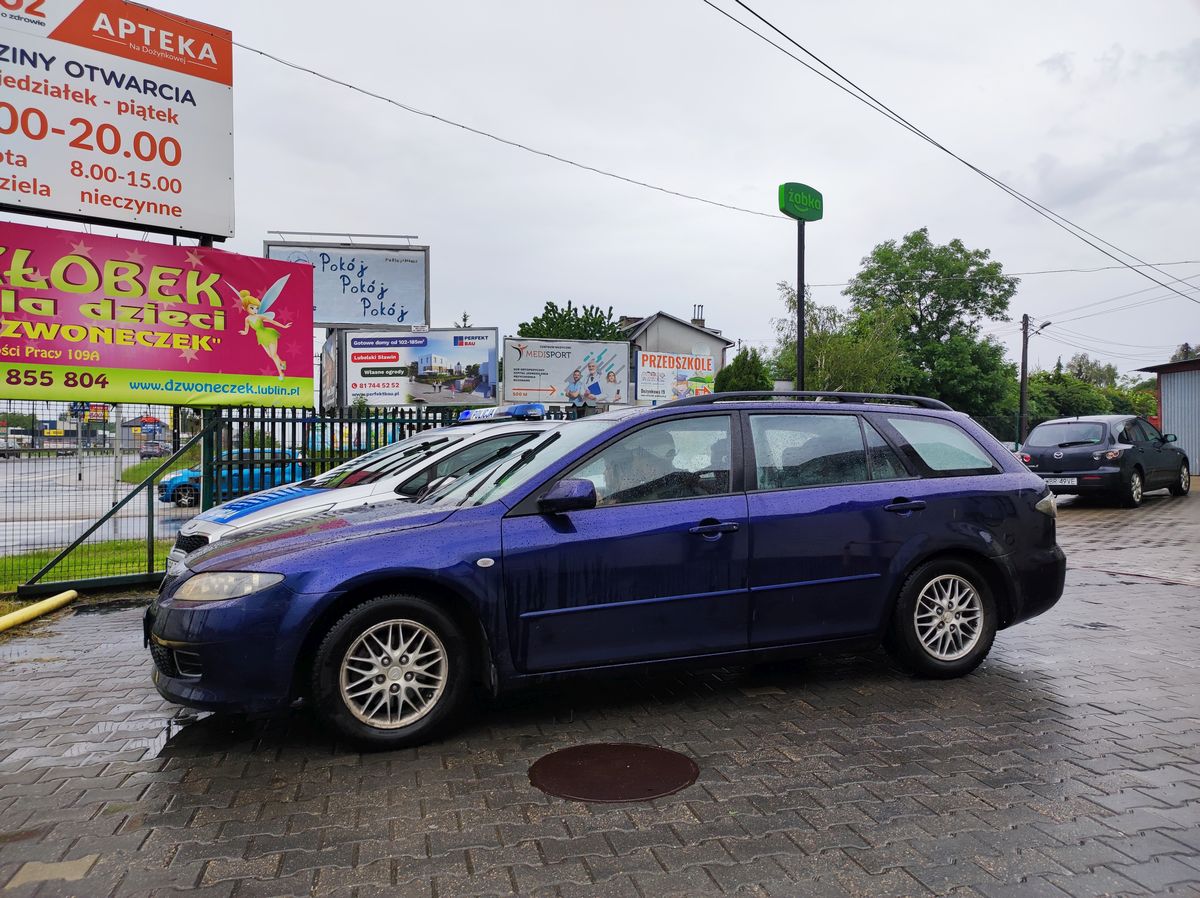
800,304
1023,415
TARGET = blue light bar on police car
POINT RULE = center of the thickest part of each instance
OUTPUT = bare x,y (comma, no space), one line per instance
526,411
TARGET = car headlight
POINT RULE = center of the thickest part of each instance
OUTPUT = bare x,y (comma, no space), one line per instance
217,586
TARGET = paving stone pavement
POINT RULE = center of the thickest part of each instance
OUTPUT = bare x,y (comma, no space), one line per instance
1067,765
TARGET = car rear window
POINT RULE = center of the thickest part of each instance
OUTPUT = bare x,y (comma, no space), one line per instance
941,446
1066,433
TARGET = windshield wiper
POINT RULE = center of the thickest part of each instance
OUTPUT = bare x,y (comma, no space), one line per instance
1071,443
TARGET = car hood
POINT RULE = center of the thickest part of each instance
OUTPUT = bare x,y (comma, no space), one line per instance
267,548
185,474
269,503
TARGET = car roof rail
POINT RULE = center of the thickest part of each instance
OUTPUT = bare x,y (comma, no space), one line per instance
816,395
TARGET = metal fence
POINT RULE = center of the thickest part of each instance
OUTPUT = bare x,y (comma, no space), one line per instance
137,477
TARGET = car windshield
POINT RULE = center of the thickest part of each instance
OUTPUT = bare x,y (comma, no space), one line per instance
1066,433
386,460
499,478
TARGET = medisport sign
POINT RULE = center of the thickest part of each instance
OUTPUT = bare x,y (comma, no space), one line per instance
102,319
571,371
442,366
363,286
117,113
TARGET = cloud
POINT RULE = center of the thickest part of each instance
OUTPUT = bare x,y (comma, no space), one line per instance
1061,65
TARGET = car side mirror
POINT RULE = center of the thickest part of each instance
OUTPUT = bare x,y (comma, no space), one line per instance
1169,438
568,495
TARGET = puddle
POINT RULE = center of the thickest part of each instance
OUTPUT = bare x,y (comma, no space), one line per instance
111,606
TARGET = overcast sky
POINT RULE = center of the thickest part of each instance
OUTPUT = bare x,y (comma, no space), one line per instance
1091,108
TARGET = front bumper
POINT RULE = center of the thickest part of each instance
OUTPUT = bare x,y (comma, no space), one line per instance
238,655
1092,482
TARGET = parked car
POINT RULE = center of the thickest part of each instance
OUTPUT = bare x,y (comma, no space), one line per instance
153,449
714,530
240,471
399,471
1119,457
9,449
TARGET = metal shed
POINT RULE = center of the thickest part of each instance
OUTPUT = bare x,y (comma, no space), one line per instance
1179,403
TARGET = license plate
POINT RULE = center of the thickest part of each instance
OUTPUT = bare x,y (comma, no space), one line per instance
1061,481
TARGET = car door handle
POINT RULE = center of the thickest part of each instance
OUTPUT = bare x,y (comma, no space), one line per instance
905,506
712,528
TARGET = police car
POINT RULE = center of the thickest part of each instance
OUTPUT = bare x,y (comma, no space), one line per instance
400,471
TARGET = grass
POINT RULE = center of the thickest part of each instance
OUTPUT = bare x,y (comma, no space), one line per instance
104,559
143,469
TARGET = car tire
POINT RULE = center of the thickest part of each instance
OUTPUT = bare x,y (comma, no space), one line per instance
1135,489
394,702
941,649
1183,483
187,497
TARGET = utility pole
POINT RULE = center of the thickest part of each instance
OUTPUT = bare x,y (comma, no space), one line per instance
1023,414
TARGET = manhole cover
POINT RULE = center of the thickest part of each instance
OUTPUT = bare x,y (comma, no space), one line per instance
613,771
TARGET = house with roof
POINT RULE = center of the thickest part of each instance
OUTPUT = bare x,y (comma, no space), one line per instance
667,334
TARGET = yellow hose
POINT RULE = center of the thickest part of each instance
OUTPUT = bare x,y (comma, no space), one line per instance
37,609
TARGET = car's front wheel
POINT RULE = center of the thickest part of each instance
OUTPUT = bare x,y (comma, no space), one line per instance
187,497
944,621
391,672
1183,483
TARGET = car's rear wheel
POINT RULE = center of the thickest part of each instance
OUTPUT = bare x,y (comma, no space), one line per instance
1183,483
391,672
187,497
945,620
1134,490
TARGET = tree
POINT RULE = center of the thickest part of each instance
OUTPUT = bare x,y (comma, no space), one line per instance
572,323
1060,394
1092,370
747,371
464,321
859,352
1185,352
941,295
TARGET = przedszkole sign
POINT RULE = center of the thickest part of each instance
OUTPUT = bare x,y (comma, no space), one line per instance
113,112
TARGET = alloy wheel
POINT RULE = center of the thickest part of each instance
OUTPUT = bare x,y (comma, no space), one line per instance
393,674
948,616
1185,478
1135,487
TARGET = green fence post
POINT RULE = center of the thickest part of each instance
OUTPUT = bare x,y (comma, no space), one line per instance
206,460
150,527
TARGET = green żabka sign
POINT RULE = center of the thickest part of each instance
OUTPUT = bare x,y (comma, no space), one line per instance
801,202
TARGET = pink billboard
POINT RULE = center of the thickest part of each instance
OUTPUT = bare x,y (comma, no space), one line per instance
110,320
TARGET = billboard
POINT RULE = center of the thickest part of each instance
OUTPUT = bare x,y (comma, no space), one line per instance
101,319
443,366
363,286
662,377
329,372
117,113
569,371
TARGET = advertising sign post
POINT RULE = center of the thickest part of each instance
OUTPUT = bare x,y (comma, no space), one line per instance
443,366
117,113
363,286
801,202
663,377
101,319
578,372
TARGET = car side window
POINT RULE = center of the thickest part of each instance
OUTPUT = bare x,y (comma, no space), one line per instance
673,460
885,463
941,446
799,450
1128,433
1147,431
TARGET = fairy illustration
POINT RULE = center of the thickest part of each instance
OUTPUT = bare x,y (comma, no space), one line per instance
259,320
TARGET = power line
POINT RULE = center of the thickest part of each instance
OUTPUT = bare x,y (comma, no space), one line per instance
1021,274
504,140
877,105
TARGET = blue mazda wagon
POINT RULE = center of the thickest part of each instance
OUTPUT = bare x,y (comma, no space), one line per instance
719,529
